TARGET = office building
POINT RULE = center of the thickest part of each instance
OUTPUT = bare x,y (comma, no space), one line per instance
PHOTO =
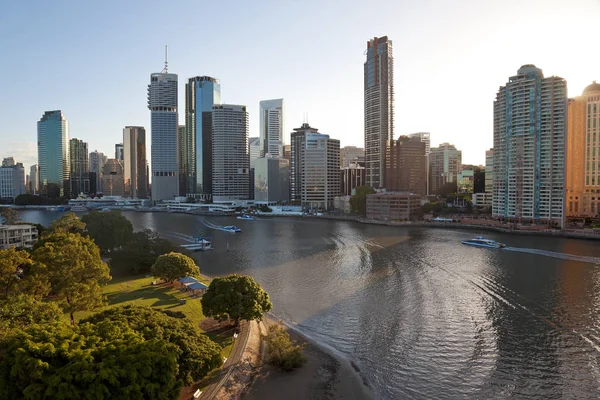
271,120
34,179
9,162
583,154
162,103
182,161
97,161
426,138
12,179
529,147
22,236
79,168
407,170
379,108
351,177
230,158
351,155
445,164
254,150
287,151
201,94
113,183
489,171
53,154
314,168
119,152
391,206
465,181
272,180
134,165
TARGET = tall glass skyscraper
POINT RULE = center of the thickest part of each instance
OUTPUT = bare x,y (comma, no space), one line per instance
134,162
272,123
80,168
529,147
201,93
379,108
162,102
53,154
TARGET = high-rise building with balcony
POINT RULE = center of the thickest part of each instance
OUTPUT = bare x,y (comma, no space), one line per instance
80,167
379,108
230,158
407,171
583,154
201,94
529,147
162,102
445,162
134,164
272,125
53,154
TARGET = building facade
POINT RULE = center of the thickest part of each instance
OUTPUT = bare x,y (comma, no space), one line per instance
352,155
53,154
34,179
314,168
230,158
529,147
379,108
272,179
80,167
583,154
426,138
162,103
12,179
391,206
272,125
351,177
20,236
254,150
445,164
201,94
465,181
489,171
120,152
407,170
97,161
113,183
134,164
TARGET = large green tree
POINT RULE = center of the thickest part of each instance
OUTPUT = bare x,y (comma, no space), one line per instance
9,215
69,223
101,361
358,202
22,310
196,354
12,264
110,230
75,271
236,297
171,266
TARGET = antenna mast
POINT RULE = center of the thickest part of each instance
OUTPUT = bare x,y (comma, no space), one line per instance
166,69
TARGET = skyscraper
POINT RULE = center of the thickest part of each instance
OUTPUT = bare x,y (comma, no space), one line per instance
489,171
445,164
12,179
272,179
162,102
351,155
34,179
112,178
379,108
79,167
182,161
529,147
134,165
201,93
314,168
583,154
230,159
97,161
272,121
425,137
53,154
407,170
254,150
119,155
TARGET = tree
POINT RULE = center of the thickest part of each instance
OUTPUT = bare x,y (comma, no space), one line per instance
196,354
23,310
106,360
69,223
235,297
12,262
358,202
282,351
9,215
75,271
171,266
447,189
110,230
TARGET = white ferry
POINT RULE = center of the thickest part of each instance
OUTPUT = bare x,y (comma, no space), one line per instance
246,217
480,241
231,228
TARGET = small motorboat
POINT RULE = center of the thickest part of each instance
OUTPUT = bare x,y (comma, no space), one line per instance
246,217
480,241
231,228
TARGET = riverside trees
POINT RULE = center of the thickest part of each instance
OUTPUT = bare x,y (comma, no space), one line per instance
171,266
110,230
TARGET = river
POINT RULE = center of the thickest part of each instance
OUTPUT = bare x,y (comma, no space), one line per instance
419,314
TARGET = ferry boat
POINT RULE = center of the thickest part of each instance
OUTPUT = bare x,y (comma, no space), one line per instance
231,228
246,217
480,241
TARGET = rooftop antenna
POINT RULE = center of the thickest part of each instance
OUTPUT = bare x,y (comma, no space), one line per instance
166,69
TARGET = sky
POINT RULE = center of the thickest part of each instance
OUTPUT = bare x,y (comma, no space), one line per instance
93,60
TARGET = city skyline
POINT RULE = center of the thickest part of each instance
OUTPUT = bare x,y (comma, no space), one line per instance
426,61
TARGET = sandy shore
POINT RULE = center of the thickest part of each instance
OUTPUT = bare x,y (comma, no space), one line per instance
323,377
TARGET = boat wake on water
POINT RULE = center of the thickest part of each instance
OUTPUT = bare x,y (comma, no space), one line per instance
563,256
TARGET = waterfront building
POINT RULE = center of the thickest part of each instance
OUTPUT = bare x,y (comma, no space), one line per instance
352,155
445,164
162,103
79,167
425,137
392,206
465,181
53,154
342,203
583,154
489,171
120,152
379,108
314,168
134,153
272,120
230,158
406,170
112,178
21,236
97,161
482,199
254,150
201,94
12,179
351,177
529,147
272,180
34,179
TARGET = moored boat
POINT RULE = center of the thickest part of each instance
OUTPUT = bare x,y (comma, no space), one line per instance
480,241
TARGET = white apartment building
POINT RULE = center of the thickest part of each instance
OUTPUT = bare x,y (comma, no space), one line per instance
12,181
21,235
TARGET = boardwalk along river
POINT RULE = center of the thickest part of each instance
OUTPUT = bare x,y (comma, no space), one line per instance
419,314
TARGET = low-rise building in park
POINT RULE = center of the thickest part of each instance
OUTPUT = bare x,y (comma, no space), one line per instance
21,236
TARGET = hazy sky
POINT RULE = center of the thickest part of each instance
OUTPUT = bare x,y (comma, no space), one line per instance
93,60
